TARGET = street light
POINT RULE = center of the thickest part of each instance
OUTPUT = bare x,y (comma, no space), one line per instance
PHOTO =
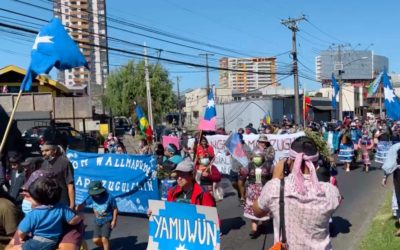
339,67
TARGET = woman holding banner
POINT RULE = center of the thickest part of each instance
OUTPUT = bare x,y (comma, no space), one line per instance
255,177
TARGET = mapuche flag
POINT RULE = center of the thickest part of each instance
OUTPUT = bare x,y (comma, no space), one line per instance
144,125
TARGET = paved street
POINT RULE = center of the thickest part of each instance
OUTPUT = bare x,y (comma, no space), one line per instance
362,196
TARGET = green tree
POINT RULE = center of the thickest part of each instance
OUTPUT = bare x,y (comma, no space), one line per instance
127,85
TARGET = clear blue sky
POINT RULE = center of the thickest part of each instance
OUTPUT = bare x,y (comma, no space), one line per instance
251,27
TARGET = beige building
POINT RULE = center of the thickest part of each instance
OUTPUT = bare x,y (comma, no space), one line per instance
247,74
196,101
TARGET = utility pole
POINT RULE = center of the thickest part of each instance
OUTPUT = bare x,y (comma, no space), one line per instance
207,71
340,71
291,23
179,104
148,91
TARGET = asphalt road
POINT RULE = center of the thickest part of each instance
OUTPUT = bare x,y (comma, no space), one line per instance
362,194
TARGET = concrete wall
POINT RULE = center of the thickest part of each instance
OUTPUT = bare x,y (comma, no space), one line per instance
42,107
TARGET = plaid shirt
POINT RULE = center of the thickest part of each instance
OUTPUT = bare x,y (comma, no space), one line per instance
306,216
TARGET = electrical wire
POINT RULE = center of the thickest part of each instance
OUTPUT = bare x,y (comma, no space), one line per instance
178,62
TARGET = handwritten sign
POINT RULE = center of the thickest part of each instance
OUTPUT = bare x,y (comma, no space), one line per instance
181,226
281,144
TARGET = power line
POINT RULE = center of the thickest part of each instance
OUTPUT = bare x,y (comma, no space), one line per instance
18,28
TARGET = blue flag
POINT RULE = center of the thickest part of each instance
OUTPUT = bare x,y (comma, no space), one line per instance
392,102
53,47
335,90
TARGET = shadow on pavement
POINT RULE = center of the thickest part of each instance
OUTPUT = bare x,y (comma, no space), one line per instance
339,225
231,224
126,243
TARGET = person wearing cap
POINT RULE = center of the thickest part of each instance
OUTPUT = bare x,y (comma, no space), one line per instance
187,189
61,167
17,178
105,211
255,176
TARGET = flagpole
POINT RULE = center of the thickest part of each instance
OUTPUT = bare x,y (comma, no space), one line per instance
380,102
3,142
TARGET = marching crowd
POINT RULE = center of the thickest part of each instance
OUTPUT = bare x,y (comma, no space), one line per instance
38,210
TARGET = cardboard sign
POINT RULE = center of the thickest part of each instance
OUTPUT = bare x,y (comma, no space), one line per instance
181,226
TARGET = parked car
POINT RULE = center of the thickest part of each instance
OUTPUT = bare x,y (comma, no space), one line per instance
122,125
67,137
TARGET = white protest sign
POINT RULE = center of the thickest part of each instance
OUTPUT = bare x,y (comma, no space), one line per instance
281,144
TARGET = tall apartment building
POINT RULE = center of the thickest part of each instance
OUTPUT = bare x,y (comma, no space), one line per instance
251,74
86,23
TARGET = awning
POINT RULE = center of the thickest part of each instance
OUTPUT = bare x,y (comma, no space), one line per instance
323,108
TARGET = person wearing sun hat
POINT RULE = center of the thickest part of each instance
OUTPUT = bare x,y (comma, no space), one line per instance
105,213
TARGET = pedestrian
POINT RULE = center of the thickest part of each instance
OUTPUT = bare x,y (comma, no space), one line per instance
255,177
187,189
365,143
269,151
72,236
307,204
165,169
105,212
207,174
42,227
391,166
346,151
10,216
144,147
236,167
61,167
204,149
17,178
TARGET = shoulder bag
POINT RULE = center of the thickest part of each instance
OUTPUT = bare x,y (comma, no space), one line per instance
282,244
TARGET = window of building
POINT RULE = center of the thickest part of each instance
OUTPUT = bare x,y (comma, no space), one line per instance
195,114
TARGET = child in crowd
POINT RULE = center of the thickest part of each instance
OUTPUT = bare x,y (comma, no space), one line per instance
105,211
42,227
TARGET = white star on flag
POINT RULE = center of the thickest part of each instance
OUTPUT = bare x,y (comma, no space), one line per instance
181,247
42,39
210,103
389,95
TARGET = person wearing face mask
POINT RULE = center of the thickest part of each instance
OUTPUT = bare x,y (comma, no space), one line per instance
255,177
355,135
61,167
72,236
206,173
164,169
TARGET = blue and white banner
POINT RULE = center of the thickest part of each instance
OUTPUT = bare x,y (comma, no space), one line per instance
129,178
181,226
